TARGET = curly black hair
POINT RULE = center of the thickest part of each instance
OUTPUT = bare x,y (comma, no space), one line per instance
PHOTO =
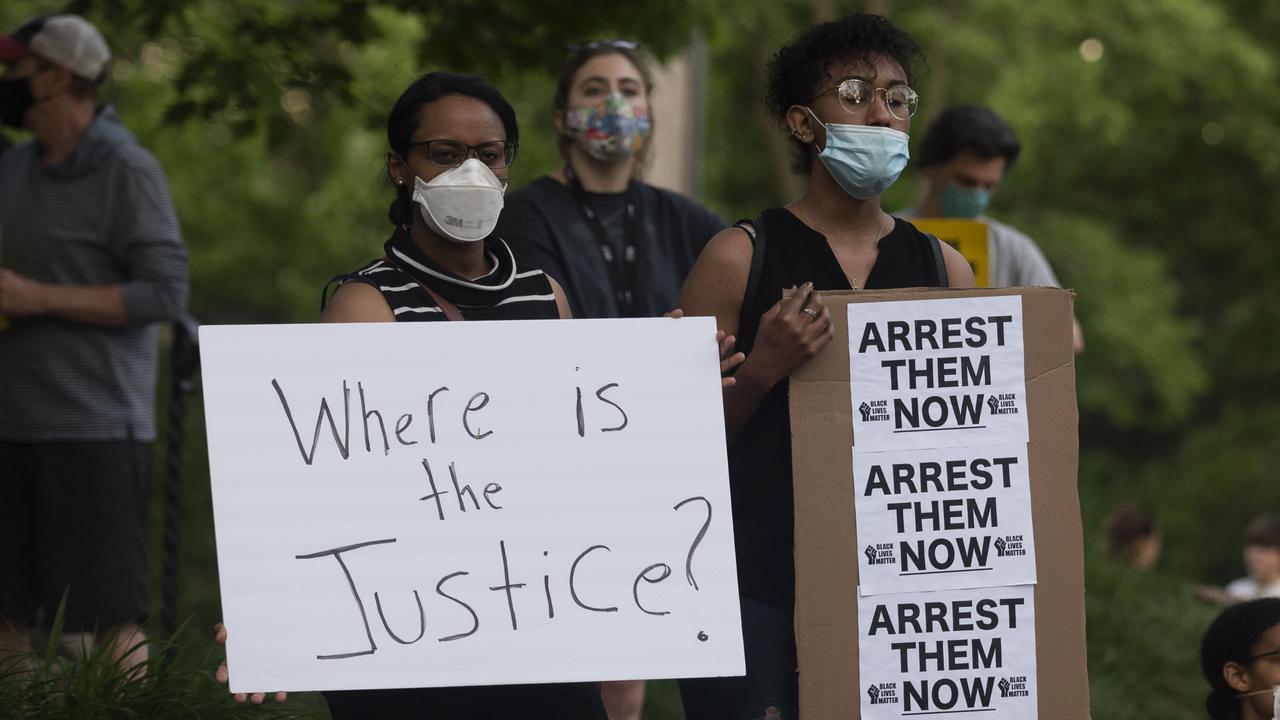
976,128
1230,638
799,69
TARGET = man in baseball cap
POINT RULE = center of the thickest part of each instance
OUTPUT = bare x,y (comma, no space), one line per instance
67,48
92,259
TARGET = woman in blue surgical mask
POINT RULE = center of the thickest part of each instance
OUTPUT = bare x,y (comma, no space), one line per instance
843,92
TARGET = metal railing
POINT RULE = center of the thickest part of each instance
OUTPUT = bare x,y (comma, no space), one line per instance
184,361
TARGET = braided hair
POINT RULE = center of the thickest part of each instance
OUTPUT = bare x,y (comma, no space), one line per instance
1230,638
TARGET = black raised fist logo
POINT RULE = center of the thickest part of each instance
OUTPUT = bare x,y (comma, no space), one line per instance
993,402
870,552
1004,687
1000,546
865,409
874,693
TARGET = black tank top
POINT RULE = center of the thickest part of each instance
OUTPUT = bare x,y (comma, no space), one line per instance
760,458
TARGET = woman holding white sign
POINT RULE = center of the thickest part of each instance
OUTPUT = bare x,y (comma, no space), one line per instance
842,90
452,139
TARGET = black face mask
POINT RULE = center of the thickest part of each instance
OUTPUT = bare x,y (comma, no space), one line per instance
15,100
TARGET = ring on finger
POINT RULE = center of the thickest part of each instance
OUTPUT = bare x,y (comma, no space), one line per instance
813,314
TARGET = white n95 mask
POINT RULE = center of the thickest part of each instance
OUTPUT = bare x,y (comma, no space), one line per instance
462,203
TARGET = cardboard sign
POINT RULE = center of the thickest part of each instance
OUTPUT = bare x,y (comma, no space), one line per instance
829,552
418,505
937,373
948,652
969,237
943,519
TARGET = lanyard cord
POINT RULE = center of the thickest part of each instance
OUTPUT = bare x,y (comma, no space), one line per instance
622,267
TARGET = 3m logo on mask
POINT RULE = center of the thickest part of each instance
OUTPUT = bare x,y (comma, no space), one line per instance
462,223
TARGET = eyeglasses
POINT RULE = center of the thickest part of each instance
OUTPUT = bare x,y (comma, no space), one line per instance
857,95
575,48
451,153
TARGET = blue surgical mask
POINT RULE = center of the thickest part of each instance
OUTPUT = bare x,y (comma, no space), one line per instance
864,159
963,202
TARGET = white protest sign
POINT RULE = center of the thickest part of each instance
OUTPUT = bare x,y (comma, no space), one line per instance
948,652
416,505
937,373
945,518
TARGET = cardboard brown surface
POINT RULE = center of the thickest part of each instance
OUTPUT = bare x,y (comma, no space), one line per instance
826,617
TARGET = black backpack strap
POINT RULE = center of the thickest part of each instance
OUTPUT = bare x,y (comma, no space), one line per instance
755,229
939,261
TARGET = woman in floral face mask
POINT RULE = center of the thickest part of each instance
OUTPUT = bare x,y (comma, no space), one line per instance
619,246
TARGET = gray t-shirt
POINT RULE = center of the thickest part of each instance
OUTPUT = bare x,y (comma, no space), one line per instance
101,217
1016,260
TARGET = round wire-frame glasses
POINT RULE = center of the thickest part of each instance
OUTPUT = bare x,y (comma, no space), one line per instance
856,96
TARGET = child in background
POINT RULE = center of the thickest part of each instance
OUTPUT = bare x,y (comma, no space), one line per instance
1261,560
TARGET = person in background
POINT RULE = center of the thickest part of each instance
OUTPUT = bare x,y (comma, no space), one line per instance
619,246
1261,560
1133,538
842,90
92,259
1240,657
965,155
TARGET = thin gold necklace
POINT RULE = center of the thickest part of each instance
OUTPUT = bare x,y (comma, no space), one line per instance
853,281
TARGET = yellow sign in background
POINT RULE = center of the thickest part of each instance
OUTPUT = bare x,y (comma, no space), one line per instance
967,236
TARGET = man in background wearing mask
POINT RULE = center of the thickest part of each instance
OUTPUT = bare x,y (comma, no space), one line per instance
965,154
91,258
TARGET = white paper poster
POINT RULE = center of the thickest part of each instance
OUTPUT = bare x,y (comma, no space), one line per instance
937,373
950,652
945,518
438,504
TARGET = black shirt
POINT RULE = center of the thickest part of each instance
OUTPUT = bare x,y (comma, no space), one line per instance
760,457
546,227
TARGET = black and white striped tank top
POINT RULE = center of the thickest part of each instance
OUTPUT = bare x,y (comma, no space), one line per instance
505,293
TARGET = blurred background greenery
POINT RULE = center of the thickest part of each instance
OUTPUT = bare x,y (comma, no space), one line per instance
1150,176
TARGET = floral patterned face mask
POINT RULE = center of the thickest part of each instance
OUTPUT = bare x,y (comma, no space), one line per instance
608,131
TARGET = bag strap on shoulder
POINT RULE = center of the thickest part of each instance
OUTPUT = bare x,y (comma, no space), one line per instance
451,311
754,228
939,260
